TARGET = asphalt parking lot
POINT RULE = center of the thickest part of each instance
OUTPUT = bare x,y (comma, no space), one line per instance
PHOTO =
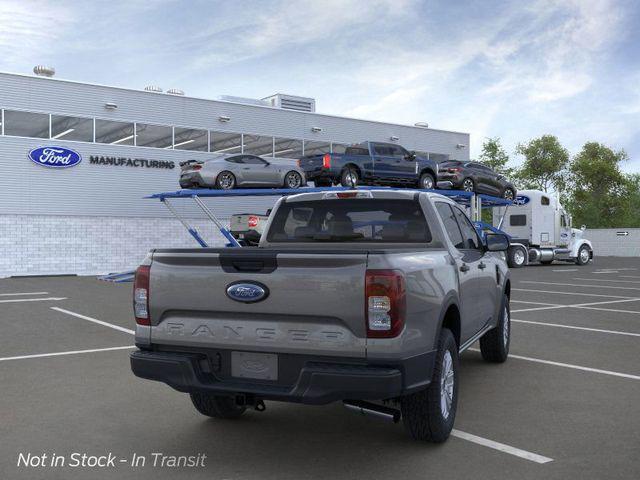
565,405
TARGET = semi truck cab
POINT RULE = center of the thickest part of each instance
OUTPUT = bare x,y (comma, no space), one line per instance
541,231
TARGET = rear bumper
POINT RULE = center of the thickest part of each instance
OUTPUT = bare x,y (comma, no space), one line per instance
319,173
318,382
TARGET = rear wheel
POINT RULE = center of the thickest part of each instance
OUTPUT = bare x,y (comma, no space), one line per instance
508,194
494,345
468,185
584,255
349,177
429,414
426,182
216,406
293,180
226,180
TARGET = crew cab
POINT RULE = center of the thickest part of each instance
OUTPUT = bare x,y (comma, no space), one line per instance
371,163
364,297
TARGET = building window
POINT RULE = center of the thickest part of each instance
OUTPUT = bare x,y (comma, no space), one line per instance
190,139
26,124
257,145
115,133
517,220
287,148
316,148
338,147
157,136
71,128
225,142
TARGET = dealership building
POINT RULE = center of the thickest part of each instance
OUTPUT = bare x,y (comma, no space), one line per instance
91,217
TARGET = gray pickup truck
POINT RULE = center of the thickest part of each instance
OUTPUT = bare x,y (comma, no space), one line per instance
365,297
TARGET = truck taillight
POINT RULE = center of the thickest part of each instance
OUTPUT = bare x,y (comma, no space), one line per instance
326,160
141,295
385,303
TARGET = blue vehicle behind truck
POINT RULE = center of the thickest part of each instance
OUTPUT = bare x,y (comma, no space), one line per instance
371,163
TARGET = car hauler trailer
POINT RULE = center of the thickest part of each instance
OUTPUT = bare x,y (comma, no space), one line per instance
540,231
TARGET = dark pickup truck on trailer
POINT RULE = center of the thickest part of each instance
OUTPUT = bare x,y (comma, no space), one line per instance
365,297
371,163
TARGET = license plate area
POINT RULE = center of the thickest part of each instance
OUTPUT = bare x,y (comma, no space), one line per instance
260,366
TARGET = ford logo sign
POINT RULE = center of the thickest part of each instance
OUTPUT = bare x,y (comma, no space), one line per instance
247,292
521,200
55,157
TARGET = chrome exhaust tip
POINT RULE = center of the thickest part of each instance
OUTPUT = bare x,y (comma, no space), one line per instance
371,409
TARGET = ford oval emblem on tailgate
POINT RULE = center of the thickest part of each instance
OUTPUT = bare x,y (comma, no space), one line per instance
247,292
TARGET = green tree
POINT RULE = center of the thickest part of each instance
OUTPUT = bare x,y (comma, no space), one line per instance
600,195
545,164
494,156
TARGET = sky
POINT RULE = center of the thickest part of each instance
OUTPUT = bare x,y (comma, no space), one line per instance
509,69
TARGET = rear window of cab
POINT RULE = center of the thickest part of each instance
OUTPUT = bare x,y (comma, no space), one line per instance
351,221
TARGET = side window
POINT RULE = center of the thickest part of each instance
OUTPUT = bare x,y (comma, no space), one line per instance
253,160
450,224
544,200
469,233
397,151
518,220
238,159
382,150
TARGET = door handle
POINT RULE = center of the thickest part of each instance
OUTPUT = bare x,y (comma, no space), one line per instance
482,266
464,267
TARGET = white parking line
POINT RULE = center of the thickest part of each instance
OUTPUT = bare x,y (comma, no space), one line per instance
537,303
533,457
566,270
569,365
47,299
598,330
581,305
635,312
95,320
606,280
629,276
581,285
27,293
73,352
568,293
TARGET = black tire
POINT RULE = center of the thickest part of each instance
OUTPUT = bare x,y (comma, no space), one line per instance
349,177
580,259
516,257
422,413
225,180
494,345
509,194
426,182
216,406
468,185
323,182
292,180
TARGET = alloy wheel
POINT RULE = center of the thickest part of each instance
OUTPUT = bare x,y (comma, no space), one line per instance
446,384
467,185
293,180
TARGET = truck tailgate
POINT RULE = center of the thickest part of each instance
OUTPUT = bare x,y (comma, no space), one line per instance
314,303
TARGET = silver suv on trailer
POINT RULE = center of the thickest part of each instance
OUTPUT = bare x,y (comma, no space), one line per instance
365,297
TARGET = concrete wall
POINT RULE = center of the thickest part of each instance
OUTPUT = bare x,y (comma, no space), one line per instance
612,242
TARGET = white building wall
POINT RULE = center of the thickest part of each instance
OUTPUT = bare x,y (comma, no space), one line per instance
57,245
612,242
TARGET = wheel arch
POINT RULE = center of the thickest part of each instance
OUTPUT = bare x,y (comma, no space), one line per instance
430,171
346,166
450,318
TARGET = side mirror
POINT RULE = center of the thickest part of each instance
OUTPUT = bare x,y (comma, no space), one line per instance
496,242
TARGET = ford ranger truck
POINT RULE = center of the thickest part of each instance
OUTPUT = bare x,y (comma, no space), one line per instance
363,297
371,163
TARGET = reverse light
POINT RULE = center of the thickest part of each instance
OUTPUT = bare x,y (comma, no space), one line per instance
326,160
385,303
141,295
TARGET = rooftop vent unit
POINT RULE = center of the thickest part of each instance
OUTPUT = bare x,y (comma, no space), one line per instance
43,71
291,102
244,100
175,91
153,88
